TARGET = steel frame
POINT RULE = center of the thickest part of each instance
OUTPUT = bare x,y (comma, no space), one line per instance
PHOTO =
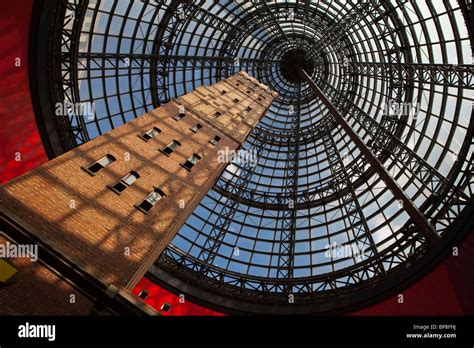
303,159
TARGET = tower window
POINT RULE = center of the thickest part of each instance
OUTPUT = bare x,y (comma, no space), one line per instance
98,165
150,134
196,128
166,307
125,182
179,116
168,149
217,114
191,162
223,92
249,109
150,201
215,140
236,100
143,294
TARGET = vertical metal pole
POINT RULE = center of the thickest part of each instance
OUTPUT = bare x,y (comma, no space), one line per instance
426,229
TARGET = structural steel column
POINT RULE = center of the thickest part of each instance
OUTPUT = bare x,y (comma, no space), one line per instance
426,229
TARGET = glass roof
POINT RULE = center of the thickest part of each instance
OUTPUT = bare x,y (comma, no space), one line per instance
399,72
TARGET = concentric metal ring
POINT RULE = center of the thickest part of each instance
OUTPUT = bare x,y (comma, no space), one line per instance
264,233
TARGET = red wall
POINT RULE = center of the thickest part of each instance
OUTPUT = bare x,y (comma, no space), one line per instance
18,132
157,296
447,290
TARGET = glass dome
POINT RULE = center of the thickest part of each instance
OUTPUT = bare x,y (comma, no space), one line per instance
308,226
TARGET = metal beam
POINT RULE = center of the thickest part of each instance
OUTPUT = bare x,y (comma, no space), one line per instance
230,207
437,74
384,141
286,254
426,229
115,61
333,33
349,201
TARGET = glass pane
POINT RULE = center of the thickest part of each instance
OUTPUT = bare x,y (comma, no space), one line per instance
130,178
194,159
174,145
105,161
154,197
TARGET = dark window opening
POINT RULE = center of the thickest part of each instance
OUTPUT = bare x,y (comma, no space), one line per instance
191,162
168,149
95,167
179,116
150,134
143,294
217,114
150,201
196,128
236,100
215,140
249,109
166,307
125,182
100,164
223,92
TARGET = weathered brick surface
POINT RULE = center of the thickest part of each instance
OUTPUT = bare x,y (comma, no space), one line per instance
83,219
241,106
39,291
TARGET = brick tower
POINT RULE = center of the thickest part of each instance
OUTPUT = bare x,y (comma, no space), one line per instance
103,212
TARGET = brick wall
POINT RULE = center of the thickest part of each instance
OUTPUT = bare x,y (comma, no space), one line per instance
102,231
241,100
39,291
